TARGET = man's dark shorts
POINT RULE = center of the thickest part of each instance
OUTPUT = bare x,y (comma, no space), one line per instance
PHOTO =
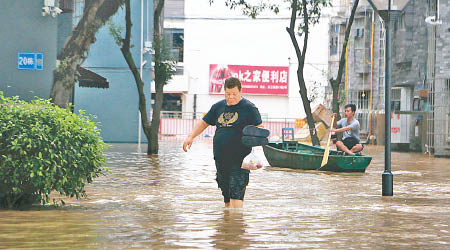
231,178
350,142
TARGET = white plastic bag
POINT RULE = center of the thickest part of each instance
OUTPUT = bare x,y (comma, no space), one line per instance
252,162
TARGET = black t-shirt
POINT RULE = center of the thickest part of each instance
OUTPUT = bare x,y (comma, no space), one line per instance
229,122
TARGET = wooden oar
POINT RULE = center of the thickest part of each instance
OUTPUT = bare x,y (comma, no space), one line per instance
327,149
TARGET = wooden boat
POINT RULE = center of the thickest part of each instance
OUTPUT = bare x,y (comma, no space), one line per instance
295,155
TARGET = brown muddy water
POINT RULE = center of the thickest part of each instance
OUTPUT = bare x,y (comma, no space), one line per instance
171,201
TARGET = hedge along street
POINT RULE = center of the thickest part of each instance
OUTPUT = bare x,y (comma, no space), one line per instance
45,148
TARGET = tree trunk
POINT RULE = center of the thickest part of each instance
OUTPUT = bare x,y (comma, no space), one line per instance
151,130
337,81
153,146
301,64
335,101
137,77
307,106
74,52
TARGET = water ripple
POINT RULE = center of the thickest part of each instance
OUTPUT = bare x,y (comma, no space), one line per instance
171,201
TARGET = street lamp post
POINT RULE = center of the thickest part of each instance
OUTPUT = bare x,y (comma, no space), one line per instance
388,10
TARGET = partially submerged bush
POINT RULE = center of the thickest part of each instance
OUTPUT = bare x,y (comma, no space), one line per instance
45,148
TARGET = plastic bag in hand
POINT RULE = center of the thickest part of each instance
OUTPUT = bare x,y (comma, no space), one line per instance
252,162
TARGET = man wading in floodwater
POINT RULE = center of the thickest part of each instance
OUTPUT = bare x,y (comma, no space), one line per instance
229,116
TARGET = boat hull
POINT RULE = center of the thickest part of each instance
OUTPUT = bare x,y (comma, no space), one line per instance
309,158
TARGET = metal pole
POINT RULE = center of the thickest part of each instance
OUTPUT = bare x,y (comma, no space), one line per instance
140,70
195,106
387,177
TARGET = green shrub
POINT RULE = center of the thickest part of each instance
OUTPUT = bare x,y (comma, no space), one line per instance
44,148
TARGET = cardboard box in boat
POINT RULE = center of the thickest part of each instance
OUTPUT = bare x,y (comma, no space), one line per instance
321,114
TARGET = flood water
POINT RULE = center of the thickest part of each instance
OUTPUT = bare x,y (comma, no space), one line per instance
171,201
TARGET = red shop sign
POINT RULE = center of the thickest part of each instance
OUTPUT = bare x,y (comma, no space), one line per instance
260,80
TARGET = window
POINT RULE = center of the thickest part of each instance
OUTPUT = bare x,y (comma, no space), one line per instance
360,99
66,6
358,33
175,39
78,9
333,45
396,98
418,104
171,102
400,24
335,28
363,99
402,20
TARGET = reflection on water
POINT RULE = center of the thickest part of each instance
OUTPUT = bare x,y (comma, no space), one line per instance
231,231
172,201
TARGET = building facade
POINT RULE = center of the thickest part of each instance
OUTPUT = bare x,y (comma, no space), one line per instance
363,79
210,37
32,32
420,72
24,30
439,78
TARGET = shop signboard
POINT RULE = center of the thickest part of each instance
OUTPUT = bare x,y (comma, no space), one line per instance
258,80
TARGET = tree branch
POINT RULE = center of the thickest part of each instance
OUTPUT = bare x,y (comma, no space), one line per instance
128,25
134,70
157,16
77,45
338,78
291,29
306,30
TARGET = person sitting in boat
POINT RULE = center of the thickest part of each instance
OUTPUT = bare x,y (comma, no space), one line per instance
349,126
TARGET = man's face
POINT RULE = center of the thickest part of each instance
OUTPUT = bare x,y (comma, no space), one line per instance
232,96
348,113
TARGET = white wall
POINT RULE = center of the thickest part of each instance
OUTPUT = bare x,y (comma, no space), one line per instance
217,35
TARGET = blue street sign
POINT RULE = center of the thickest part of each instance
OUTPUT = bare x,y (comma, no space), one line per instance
30,61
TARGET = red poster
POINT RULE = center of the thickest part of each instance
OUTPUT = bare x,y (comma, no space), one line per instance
260,80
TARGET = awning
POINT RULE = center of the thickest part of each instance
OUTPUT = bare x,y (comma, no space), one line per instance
90,79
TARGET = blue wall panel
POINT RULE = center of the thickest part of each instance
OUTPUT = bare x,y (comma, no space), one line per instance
26,30
116,108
